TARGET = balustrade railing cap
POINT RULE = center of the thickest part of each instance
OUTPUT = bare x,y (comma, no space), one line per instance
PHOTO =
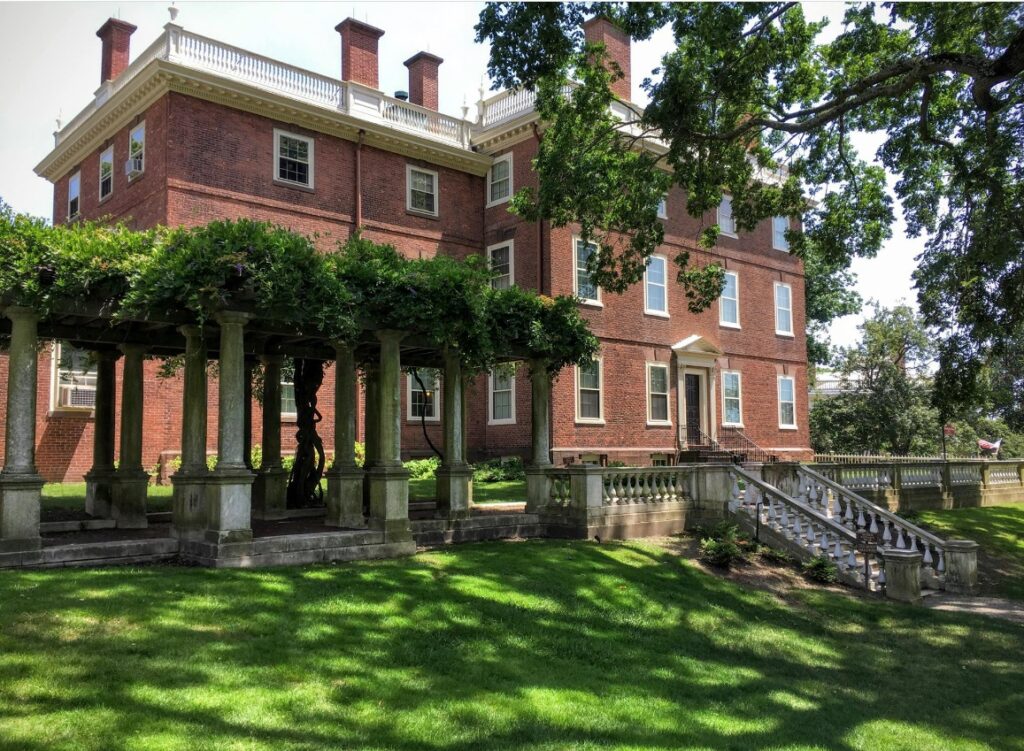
901,554
961,546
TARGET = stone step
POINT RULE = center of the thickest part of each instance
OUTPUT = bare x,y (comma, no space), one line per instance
77,525
111,552
315,540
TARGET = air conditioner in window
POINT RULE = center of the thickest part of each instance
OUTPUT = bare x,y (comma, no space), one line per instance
133,166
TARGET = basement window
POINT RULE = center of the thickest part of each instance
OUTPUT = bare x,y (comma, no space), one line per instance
294,154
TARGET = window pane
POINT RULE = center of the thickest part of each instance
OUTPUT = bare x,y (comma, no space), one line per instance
288,398
732,410
590,404
730,286
656,270
730,311
788,414
76,378
659,380
590,376
501,264
586,289
732,385
779,226
502,405
785,321
786,389
725,221
656,298
659,407
782,296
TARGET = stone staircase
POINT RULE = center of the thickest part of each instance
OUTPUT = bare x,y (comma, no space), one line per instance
808,515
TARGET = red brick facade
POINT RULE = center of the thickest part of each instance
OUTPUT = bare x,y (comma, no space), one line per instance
205,160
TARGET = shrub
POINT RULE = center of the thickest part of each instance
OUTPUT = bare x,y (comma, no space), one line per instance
422,469
775,556
497,470
723,545
821,569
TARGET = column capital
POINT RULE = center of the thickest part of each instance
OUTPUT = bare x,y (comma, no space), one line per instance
390,335
133,349
107,355
20,313
342,348
272,359
232,317
191,330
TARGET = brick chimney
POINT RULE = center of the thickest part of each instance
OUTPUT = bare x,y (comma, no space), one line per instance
359,52
116,36
599,30
423,79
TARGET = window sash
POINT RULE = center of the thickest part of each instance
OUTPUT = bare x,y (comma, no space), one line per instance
76,378
501,180
423,403
585,287
726,224
293,159
783,309
74,194
732,399
657,393
729,301
787,402
502,403
589,390
106,173
656,284
422,191
288,406
137,148
501,264
779,226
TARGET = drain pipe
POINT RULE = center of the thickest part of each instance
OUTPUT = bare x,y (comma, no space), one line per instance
359,179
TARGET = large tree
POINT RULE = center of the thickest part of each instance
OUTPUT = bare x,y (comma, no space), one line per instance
751,88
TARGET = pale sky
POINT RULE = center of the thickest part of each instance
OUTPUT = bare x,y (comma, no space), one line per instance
50,67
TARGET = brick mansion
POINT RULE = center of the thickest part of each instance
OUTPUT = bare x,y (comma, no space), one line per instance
192,130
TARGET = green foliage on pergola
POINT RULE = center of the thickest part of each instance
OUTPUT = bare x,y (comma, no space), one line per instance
180,276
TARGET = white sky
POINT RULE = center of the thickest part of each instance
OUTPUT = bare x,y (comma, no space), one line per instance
50,61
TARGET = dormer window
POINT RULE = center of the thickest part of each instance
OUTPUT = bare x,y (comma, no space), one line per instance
74,195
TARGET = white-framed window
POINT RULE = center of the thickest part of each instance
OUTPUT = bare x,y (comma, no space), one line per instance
74,195
589,396
74,378
732,398
729,301
585,287
136,151
424,401
502,396
783,309
501,259
106,172
663,207
726,224
499,180
656,286
421,190
293,158
780,224
659,460
657,394
787,402
288,408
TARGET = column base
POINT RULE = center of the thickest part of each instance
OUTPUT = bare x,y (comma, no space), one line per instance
99,492
269,493
344,498
537,488
389,502
128,490
19,512
454,491
229,506
188,507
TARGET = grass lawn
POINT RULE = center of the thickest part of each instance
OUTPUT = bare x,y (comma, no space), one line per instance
70,496
999,530
534,645
483,492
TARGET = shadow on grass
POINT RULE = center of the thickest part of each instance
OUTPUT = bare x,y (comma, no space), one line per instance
505,645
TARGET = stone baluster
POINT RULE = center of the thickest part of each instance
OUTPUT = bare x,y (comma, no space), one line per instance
99,480
344,479
20,483
130,481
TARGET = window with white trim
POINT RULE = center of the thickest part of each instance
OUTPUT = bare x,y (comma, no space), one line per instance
659,460
729,301
588,392
74,378
74,195
783,309
657,393
500,259
499,180
502,387
424,401
107,172
288,408
787,402
726,224
585,287
663,207
732,398
780,224
656,286
293,156
136,151
421,195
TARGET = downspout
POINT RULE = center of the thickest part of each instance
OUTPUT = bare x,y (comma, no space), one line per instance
359,180
541,287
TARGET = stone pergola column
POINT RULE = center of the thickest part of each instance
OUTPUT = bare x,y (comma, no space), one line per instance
540,459
455,475
388,480
371,418
250,367
229,495
270,488
130,482
344,479
188,518
20,483
99,479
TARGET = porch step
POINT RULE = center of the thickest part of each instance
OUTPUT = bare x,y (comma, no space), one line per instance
119,552
494,526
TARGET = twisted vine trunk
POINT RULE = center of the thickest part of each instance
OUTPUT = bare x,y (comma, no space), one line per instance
304,481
